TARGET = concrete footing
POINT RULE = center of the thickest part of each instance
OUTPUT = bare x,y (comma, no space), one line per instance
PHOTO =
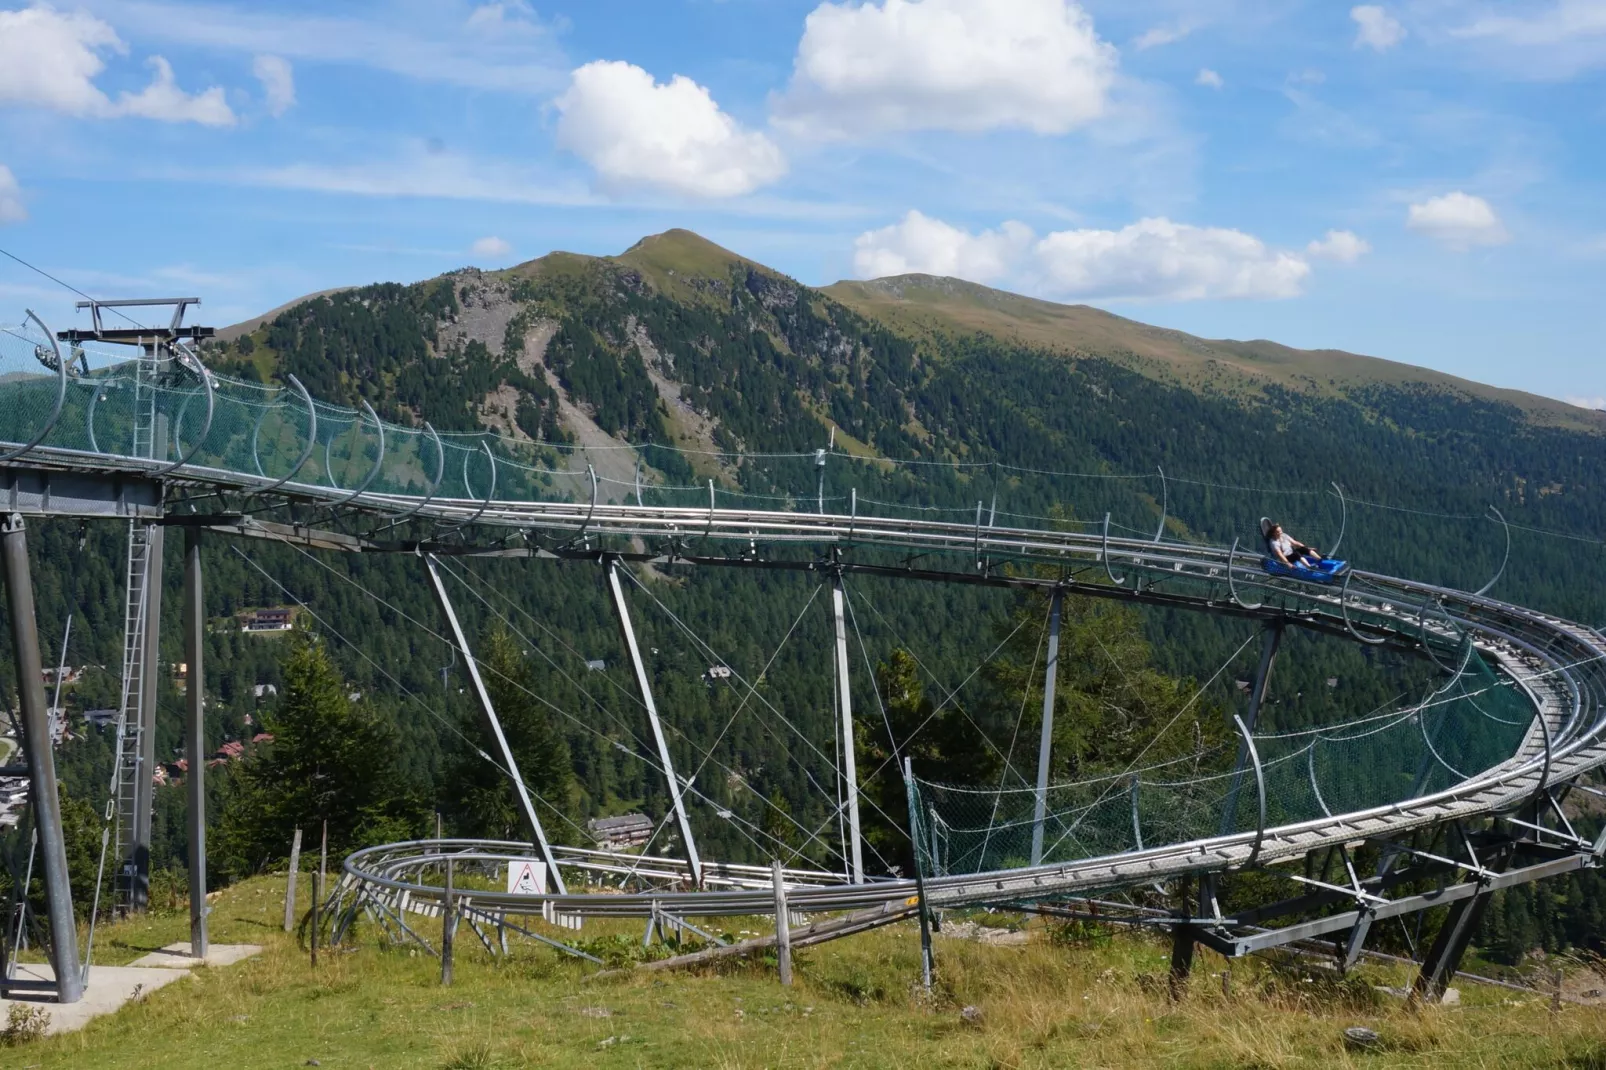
177,956
110,987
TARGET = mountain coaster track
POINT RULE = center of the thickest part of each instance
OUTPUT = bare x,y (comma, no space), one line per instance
1558,666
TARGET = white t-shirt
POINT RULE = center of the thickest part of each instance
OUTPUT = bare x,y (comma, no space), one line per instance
1283,544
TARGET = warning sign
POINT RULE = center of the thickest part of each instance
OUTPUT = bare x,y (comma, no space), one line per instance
526,876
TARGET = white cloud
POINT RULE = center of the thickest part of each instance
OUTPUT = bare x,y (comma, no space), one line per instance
50,60
278,82
1376,28
11,208
1208,78
1459,220
964,65
1345,246
931,247
1539,40
1558,23
1167,33
1586,403
506,16
165,101
1152,259
1156,259
414,173
491,247
672,136
434,42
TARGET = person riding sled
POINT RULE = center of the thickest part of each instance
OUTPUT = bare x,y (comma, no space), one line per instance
1287,550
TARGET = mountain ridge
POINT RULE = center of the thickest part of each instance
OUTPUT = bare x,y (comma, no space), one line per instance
924,303
687,267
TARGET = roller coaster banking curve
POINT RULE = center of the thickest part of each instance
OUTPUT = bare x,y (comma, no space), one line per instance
159,442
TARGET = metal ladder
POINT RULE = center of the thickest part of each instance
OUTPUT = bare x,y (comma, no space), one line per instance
126,771
130,715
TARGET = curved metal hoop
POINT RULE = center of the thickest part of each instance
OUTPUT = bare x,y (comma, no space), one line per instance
312,439
1137,826
89,414
488,494
1105,555
61,393
1232,584
206,427
586,525
378,461
1260,789
1422,635
1481,591
256,435
435,485
1427,741
1343,519
1165,504
1544,773
1310,767
1349,625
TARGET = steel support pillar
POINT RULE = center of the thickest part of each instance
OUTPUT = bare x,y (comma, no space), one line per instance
1272,640
644,685
850,765
195,736
493,726
38,746
1182,945
1443,959
1044,746
139,845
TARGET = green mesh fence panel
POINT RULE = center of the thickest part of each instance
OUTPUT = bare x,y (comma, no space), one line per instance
1471,721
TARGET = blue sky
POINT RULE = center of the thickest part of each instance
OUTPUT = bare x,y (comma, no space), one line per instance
1419,180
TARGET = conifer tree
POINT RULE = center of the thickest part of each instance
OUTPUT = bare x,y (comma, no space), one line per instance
332,759
478,795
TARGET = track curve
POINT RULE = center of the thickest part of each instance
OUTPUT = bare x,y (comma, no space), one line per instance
1559,665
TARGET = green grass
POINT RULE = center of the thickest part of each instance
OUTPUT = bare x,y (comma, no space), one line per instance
856,1004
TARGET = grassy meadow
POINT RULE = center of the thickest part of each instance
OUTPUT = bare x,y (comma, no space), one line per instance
1048,1002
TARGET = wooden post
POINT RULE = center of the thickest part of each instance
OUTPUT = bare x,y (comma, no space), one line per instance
448,928
783,926
317,891
1555,990
290,889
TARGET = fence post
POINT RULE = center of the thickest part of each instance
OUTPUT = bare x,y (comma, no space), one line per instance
927,959
448,928
290,889
783,925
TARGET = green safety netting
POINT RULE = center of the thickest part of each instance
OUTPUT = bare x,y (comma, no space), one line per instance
1470,721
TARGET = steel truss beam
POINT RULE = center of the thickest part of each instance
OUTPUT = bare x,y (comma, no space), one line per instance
493,726
1234,946
644,686
1051,673
844,696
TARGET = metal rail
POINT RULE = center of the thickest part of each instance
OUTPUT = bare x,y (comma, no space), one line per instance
1559,665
